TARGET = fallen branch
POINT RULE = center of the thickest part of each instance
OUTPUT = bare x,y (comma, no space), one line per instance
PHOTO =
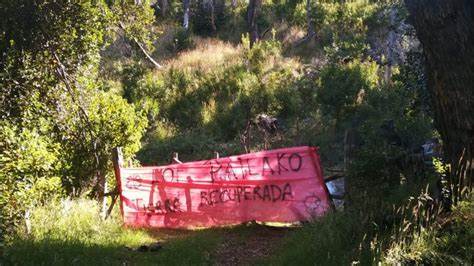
147,55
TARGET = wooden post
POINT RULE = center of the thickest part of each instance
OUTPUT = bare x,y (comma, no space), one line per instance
117,160
176,158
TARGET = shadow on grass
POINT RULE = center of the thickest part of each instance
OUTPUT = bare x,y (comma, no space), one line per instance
193,248
180,247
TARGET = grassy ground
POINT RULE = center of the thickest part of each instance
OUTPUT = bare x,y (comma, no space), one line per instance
73,234
224,246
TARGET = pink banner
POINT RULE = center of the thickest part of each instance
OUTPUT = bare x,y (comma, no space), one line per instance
283,185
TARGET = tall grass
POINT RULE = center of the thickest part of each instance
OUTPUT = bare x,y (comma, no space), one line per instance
209,54
72,232
416,233
427,237
331,240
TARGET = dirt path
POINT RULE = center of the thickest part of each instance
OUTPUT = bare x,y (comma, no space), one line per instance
237,245
244,247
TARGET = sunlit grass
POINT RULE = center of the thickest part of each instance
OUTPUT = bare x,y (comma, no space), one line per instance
72,232
207,55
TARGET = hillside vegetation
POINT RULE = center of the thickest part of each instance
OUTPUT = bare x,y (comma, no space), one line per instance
80,78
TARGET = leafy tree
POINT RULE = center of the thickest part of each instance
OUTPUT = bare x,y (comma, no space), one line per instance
112,122
133,20
342,87
51,104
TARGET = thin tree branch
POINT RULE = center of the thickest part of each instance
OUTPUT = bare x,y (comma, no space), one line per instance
147,55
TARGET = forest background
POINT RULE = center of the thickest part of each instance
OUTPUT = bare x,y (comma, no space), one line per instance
78,78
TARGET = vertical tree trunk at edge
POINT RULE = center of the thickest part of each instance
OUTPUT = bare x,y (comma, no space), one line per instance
446,31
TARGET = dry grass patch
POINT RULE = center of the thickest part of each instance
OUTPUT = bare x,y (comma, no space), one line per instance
207,55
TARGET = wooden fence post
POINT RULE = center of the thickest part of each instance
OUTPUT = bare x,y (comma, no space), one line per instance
117,160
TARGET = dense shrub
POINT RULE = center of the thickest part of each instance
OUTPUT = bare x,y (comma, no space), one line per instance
342,88
29,173
87,143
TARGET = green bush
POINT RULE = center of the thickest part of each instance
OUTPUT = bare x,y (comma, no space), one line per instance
29,173
87,143
342,87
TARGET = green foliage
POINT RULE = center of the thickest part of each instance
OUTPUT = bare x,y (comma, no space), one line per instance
332,240
39,38
391,127
29,164
134,19
68,228
216,105
72,232
130,78
87,144
448,242
202,21
57,127
342,87
260,54
344,27
66,100
181,40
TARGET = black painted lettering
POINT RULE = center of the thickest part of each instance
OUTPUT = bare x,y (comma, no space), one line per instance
214,171
280,165
168,178
176,204
168,206
256,193
286,191
249,168
159,207
295,157
230,171
222,194
266,193
238,191
276,192
204,199
214,196
247,193
267,163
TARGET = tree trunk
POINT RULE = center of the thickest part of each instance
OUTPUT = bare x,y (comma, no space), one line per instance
252,14
164,5
391,46
446,31
209,7
309,20
213,16
186,14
